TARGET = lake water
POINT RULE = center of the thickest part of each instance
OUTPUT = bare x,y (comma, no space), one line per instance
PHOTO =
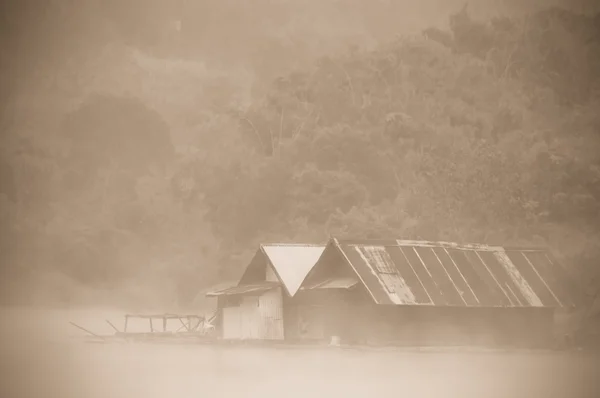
39,359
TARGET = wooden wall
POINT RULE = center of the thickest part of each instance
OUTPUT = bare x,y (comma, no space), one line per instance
318,315
315,315
456,326
251,317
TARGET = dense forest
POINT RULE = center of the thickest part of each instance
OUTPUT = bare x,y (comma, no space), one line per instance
146,151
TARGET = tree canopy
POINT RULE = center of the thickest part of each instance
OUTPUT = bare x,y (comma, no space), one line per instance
485,130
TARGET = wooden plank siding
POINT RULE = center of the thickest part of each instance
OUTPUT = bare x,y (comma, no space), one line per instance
457,326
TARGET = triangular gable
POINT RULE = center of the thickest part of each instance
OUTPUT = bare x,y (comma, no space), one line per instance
290,263
256,271
330,267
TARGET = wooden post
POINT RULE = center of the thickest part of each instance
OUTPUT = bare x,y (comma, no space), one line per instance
125,326
84,329
151,326
113,326
183,324
164,323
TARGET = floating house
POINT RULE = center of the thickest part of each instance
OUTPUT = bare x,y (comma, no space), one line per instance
398,292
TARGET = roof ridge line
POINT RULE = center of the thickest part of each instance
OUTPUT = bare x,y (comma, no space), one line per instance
291,244
469,245
446,244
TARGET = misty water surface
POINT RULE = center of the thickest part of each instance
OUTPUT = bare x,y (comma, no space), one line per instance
39,359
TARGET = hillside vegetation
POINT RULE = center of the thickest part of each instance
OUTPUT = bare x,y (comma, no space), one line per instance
160,175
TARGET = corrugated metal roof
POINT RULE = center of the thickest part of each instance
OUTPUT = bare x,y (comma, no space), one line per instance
292,262
449,274
244,289
332,283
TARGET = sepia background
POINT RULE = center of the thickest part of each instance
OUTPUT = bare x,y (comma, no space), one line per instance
148,146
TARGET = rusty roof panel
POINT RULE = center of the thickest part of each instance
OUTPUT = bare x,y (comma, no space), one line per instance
449,274
424,274
502,278
466,292
477,276
392,281
410,275
445,283
538,269
567,292
523,289
520,261
498,294
244,289
367,275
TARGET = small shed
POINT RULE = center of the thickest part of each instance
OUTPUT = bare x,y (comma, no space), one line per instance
255,308
438,293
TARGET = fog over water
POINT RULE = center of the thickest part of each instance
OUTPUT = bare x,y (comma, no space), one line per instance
40,359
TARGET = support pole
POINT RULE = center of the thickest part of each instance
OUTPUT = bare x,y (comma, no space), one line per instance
183,324
112,326
84,329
